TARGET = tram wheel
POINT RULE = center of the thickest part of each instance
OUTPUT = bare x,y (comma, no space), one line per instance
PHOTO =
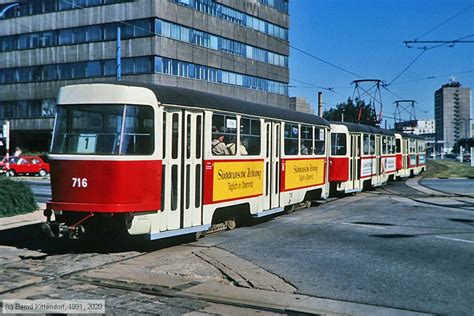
231,224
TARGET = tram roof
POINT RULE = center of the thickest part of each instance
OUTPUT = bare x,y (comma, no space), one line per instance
408,135
360,128
194,98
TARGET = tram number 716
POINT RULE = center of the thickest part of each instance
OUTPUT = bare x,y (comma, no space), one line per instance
79,182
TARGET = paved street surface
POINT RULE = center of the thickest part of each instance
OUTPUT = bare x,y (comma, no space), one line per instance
454,186
41,188
394,250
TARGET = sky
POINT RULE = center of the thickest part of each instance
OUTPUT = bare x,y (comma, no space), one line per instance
365,38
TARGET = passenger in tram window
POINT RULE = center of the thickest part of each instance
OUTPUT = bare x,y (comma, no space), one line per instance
219,147
304,149
319,147
231,148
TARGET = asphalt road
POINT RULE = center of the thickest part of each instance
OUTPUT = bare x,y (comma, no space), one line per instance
454,186
392,247
380,249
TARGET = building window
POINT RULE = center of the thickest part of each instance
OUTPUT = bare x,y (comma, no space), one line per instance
182,33
211,7
138,65
47,6
184,69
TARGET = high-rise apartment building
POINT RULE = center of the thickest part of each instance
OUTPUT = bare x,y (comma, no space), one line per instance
237,48
452,115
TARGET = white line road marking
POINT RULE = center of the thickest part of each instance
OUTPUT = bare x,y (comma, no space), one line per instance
370,226
456,239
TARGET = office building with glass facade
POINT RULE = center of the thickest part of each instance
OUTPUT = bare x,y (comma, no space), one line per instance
237,48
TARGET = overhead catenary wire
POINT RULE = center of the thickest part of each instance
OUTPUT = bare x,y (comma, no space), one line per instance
326,62
406,68
445,21
444,43
432,77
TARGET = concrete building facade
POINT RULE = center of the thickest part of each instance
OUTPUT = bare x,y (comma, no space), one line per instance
237,48
417,127
452,115
300,104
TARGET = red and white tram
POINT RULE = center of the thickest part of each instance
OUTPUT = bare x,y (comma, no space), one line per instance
360,157
165,161
411,154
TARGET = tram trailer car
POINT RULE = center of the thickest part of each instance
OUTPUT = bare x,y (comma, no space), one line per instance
411,154
360,157
164,161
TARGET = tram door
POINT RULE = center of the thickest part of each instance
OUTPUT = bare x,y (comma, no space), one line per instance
272,165
172,155
378,167
355,160
405,153
191,209
267,162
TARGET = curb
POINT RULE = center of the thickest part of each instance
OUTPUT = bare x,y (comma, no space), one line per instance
16,221
414,183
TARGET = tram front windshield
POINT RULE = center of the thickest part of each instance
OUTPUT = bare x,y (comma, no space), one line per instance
104,130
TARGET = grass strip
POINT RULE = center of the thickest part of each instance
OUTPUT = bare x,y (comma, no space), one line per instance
448,169
15,198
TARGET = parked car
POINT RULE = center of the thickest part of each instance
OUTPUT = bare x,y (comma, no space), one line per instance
26,165
466,158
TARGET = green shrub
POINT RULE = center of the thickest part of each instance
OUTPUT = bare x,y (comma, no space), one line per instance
15,198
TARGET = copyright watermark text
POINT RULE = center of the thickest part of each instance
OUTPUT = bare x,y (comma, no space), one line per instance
53,306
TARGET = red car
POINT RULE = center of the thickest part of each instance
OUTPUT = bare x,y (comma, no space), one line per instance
26,165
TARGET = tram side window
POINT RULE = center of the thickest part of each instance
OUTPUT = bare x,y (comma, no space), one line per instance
319,137
338,144
291,139
366,144
249,137
384,145
224,134
398,146
421,146
391,145
306,140
138,131
372,144
412,146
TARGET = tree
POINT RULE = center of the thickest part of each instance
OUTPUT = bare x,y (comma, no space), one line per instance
464,142
355,111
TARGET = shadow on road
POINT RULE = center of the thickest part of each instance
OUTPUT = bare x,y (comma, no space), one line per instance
31,237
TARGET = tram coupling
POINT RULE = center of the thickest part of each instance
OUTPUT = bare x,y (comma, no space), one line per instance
57,229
